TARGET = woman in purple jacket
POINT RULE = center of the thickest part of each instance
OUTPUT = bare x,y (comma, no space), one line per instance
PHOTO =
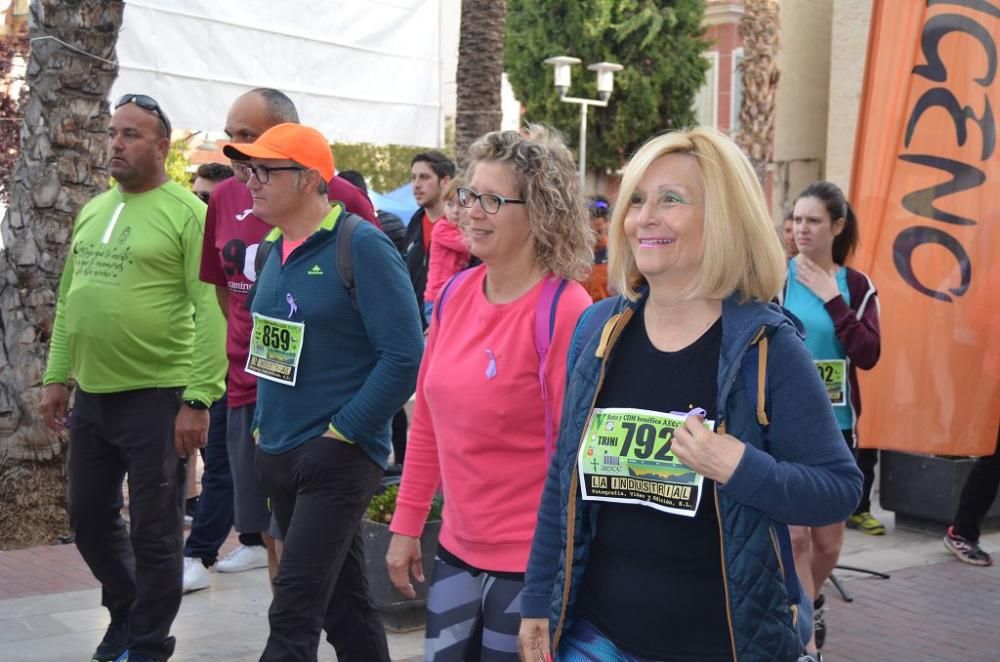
839,308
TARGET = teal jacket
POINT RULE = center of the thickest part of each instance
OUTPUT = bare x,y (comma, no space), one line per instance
358,365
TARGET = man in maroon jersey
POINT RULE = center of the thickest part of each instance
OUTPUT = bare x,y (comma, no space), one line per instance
232,234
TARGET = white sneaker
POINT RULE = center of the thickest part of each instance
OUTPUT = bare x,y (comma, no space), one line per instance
195,575
243,558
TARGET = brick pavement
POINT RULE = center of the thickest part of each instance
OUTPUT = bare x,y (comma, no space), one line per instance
938,611
944,612
53,569
42,571
32,625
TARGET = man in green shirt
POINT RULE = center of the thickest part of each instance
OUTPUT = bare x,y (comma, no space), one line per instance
145,341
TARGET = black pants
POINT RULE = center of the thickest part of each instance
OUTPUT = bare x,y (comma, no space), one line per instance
139,566
399,427
319,492
866,458
213,518
978,495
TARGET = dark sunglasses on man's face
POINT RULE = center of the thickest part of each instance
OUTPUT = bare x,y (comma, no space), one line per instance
204,196
146,103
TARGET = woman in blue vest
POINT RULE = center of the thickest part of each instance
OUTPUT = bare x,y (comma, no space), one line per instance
839,307
694,428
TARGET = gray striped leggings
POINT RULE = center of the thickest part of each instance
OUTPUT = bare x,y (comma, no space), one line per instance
472,615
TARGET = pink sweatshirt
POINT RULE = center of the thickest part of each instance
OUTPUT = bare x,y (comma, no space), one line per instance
483,439
449,255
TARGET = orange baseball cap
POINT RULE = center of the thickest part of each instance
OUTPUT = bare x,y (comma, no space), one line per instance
296,142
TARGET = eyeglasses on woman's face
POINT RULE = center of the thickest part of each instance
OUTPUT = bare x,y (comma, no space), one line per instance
489,202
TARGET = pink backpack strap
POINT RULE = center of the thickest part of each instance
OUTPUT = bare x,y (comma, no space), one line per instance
446,290
545,317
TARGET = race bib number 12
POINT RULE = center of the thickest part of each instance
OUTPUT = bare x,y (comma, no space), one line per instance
626,458
275,347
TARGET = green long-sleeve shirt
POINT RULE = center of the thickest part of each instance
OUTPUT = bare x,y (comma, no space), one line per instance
132,312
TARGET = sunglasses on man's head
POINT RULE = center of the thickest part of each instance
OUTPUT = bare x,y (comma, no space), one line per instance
146,103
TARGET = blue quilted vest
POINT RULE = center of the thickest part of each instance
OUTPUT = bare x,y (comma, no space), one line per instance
756,552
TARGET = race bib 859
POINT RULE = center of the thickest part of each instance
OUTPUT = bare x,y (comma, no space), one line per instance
275,347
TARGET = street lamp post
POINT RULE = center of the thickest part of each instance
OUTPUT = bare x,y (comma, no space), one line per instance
605,85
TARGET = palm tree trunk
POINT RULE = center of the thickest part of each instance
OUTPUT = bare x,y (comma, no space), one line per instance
480,69
13,52
60,167
759,31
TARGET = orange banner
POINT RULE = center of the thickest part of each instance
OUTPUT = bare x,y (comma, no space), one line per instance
926,186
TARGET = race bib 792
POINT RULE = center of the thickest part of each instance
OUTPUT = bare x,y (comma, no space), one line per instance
626,458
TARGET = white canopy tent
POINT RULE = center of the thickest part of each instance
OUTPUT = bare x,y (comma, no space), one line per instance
358,70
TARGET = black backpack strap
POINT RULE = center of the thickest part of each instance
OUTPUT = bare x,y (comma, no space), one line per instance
259,260
345,261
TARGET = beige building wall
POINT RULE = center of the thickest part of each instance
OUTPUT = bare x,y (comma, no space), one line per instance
801,105
14,13
851,19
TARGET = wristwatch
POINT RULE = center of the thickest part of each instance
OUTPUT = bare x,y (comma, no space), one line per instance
196,404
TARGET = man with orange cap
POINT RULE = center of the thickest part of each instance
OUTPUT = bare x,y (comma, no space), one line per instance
232,494
333,366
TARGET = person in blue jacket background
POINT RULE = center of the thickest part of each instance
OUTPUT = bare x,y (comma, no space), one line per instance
695,428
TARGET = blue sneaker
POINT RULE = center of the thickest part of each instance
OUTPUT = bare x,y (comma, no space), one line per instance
113,644
135,657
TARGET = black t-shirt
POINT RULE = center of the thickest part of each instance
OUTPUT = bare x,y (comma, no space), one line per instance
653,584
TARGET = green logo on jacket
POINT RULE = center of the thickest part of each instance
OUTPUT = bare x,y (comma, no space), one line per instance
315,271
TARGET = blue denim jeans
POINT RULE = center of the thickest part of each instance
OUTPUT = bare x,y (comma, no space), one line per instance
213,518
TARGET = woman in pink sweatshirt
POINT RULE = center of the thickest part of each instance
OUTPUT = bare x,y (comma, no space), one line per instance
484,392
449,246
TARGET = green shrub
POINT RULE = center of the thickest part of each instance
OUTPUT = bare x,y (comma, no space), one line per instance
659,42
383,506
177,164
386,167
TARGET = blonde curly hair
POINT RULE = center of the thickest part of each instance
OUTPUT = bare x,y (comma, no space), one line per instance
547,177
